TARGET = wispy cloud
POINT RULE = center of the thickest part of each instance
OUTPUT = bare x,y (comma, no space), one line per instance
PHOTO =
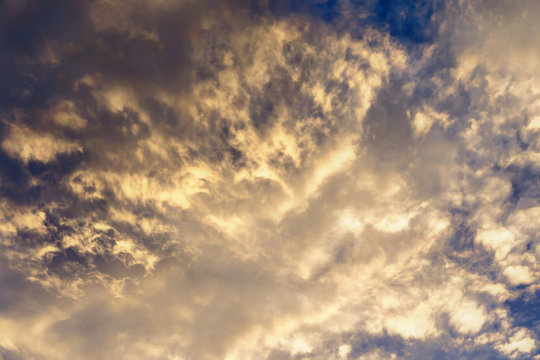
268,180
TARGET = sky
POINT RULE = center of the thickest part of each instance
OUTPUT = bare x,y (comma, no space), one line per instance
269,179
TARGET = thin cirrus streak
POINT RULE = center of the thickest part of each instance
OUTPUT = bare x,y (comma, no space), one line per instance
269,180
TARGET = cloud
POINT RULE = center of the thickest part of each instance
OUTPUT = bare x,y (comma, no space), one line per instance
268,180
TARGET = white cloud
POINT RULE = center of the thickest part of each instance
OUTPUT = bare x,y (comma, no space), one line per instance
305,193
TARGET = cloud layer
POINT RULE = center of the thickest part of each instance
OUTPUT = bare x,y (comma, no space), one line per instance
269,180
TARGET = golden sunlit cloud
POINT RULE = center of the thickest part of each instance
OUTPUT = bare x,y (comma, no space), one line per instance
269,180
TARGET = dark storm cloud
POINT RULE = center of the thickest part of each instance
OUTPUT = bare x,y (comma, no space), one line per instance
48,47
524,184
25,28
64,31
387,127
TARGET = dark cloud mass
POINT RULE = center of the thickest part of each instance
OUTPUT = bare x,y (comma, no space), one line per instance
329,179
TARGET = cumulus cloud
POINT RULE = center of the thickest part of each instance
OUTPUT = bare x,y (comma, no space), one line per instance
268,180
